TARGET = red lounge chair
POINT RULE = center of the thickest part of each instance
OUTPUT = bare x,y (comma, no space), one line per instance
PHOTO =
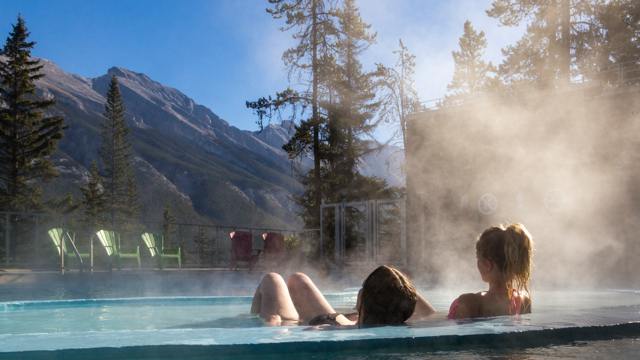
242,249
273,247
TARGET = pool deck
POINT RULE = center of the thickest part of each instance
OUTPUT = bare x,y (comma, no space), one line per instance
196,277
31,276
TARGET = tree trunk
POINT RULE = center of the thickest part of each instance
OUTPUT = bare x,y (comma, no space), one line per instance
565,69
316,120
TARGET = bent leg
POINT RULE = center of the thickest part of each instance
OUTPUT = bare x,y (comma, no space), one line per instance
307,299
272,300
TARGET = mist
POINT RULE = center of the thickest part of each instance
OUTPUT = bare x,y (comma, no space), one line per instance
561,161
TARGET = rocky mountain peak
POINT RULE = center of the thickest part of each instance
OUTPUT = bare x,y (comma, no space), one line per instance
184,149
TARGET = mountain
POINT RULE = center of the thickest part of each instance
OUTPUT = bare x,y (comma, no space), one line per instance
186,155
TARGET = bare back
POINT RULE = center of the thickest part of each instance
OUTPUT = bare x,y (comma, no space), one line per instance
488,304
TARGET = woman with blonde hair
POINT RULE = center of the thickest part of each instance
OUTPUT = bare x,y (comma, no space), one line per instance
504,262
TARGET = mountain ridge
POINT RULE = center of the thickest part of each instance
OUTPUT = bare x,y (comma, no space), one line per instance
207,168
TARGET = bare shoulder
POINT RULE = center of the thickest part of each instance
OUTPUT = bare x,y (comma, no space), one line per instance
468,306
470,298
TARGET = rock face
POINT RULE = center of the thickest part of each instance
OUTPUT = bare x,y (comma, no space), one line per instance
185,154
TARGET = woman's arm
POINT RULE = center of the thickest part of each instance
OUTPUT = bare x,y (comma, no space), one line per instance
423,309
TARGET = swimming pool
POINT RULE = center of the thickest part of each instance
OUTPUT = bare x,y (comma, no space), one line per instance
195,327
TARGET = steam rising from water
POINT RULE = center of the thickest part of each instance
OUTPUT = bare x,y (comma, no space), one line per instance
560,161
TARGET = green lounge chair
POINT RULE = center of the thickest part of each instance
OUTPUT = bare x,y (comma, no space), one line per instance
110,241
155,243
56,235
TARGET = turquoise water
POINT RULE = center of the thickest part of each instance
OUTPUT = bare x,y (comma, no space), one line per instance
87,323
158,313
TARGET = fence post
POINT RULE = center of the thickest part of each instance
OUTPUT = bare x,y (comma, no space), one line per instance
321,233
339,234
64,227
36,240
91,233
180,242
200,246
6,238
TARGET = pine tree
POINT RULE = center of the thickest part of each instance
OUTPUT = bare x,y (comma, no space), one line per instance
204,247
94,196
617,50
26,136
313,23
472,74
559,32
63,206
168,229
400,99
116,155
131,206
351,117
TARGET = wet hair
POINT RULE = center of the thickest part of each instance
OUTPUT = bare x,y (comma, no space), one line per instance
388,298
511,249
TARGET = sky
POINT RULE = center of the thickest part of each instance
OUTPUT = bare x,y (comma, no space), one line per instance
222,53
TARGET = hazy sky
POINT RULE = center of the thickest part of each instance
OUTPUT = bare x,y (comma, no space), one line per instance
224,52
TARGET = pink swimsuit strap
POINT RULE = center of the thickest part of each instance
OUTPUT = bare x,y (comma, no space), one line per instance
452,309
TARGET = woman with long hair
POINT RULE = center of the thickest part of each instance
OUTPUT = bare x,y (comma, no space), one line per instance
504,262
387,298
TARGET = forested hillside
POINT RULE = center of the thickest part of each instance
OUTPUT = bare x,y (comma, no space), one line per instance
206,169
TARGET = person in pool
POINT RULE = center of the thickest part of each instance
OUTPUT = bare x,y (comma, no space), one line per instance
386,298
504,262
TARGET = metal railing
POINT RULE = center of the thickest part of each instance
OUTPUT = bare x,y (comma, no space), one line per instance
24,242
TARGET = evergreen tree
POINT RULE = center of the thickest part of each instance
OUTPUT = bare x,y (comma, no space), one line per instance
352,108
558,32
400,99
204,247
26,136
340,94
64,206
313,23
131,206
94,196
116,154
567,38
472,74
617,50
168,229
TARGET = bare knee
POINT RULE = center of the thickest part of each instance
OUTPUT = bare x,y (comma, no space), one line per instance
298,280
272,278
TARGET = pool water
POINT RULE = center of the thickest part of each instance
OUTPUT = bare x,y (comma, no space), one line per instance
157,313
124,314
564,324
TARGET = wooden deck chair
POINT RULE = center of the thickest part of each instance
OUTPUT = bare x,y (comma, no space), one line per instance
56,235
273,247
242,249
110,241
155,243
